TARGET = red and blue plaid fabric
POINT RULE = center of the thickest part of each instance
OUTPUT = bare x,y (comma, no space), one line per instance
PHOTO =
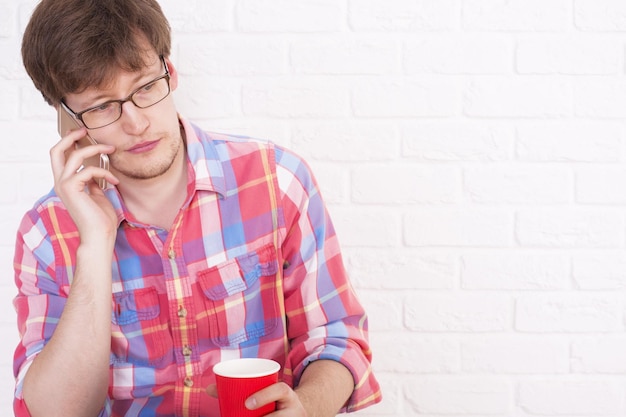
250,268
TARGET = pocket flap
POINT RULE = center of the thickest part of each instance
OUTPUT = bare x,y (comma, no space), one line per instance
134,305
238,274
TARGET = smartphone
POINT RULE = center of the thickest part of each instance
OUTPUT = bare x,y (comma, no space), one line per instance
67,122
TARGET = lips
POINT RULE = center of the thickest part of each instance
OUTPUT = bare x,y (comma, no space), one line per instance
144,147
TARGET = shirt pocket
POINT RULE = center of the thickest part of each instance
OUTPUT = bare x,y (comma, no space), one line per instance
240,296
139,334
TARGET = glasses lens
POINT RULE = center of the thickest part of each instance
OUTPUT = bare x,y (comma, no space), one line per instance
151,93
102,115
107,113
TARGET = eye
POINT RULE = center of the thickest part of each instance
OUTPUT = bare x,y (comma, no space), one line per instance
146,88
103,108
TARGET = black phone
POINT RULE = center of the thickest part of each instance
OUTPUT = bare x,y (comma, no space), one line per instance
67,122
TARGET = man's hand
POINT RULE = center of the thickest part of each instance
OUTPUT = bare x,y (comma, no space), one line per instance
324,388
92,213
287,401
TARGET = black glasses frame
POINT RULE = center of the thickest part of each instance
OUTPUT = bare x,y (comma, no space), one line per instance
121,102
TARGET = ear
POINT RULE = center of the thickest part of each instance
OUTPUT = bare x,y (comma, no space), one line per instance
173,74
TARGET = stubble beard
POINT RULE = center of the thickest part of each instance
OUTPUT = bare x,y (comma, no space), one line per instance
154,168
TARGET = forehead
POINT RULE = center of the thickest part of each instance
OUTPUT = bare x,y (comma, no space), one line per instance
119,83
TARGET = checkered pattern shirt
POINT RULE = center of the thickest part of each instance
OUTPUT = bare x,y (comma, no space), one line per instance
250,268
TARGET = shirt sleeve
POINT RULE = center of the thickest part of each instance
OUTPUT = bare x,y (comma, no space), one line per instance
325,318
39,301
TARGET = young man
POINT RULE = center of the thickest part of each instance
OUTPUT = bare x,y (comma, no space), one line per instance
202,248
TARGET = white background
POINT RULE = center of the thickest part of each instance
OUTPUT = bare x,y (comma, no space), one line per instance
472,153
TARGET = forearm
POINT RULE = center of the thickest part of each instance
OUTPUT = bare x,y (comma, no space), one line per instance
70,375
324,388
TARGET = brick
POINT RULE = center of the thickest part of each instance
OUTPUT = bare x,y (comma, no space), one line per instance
459,227
515,355
333,181
600,98
407,97
403,16
574,141
601,185
457,141
10,189
199,16
201,98
11,67
517,270
383,227
347,141
605,270
521,96
569,313
41,137
569,56
10,219
572,396
290,16
599,355
458,54
10,96
34,107
458,313
338,55
233,56
508,183
459,396
35,181
7,20
383,310
10,339
7,312
427,354
305,98
600,15
570,228
416,184
272,130
407,269
517,15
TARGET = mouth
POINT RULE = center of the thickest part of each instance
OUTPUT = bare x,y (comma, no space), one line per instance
144,147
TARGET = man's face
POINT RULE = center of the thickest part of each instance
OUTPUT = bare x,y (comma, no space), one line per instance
147,140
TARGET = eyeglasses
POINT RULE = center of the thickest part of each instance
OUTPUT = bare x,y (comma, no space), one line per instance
111,111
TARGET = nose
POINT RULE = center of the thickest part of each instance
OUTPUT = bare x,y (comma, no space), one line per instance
133,119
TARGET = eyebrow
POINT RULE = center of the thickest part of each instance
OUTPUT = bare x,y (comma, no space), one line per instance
104,97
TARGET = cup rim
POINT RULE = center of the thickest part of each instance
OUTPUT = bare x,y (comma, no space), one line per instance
241,368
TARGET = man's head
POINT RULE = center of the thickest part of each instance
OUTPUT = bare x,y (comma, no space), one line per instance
71,45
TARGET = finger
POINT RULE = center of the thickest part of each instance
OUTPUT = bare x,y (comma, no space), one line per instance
59,151
279,392
77,181
64,154
212,390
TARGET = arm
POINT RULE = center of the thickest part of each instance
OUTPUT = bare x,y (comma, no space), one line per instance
69,375
324,388
327,326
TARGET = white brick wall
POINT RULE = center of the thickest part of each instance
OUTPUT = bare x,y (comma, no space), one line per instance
473,156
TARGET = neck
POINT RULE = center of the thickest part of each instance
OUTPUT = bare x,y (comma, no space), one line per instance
157,201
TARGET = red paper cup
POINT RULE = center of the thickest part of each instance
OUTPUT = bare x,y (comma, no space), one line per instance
237,379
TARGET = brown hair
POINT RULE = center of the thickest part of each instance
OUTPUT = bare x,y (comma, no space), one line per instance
70,45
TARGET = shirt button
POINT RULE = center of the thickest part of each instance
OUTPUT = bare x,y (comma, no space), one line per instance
186,351
188,382
171,254
182,312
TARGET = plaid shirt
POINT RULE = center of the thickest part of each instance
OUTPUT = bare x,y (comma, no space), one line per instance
250,268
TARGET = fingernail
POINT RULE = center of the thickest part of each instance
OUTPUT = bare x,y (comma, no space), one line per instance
251,403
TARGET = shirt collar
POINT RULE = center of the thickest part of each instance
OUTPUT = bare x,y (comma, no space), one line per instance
204,167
